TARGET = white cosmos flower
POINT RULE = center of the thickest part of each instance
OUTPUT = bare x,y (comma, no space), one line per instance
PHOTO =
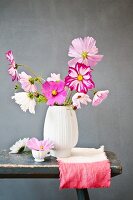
19,146
80,98
54,77
26,101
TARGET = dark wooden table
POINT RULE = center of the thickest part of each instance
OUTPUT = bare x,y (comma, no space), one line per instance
23,166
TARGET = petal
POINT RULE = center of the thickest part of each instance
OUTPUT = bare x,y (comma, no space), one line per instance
78,44
82,87
94,59
73,62
33,143
89,84
73,85
45,87
32,105
51,101
33,88
86,62
26,88
72,52
23,75
99,97
9,56
84,70
60,86
91,45
73,72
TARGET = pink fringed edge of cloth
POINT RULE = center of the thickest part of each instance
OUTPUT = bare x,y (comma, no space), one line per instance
84,174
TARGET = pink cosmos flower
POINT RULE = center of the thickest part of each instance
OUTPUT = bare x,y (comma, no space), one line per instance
99,97
79,78
13,67
9,56
54,92
54,77
84,51
80,98
42,145
27,82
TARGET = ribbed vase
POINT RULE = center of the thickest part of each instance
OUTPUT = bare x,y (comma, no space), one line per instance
61,128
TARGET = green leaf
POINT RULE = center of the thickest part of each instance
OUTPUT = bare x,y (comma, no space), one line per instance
41,99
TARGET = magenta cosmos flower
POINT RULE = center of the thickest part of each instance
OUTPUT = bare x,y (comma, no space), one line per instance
99,97
13,67
42,145
27,82
84,51
54,92
79,78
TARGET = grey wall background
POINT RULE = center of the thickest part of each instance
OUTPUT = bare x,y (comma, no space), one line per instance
39,32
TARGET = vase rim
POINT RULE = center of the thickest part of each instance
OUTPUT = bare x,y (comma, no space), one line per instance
62,106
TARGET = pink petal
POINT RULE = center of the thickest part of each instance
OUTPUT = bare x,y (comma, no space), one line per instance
99,97
78,44
60,99
51,101
9,56
72,72
72,52
33,88
84,70
60,86
86,62
45,87
73,62
94,59
33,143
91,45
24,76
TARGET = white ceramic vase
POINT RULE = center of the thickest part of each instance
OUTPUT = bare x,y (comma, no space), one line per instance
61,128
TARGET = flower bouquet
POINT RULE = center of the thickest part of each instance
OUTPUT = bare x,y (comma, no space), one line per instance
63,96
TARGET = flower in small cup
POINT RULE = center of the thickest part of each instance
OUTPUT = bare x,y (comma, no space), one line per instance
54,77
13,66
99,97
42,145
19,146
80,98
27,82
39,148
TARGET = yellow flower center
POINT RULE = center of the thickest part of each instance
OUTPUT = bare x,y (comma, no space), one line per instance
84,55
30,95
80,77
54,92
41,147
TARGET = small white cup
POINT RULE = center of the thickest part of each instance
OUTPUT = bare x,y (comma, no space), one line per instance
39,155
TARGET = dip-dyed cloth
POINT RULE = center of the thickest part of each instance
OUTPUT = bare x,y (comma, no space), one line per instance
86,168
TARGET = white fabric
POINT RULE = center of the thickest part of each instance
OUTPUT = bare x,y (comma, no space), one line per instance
86,155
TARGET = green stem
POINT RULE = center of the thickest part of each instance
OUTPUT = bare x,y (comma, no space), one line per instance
94,91
30,70
68,101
